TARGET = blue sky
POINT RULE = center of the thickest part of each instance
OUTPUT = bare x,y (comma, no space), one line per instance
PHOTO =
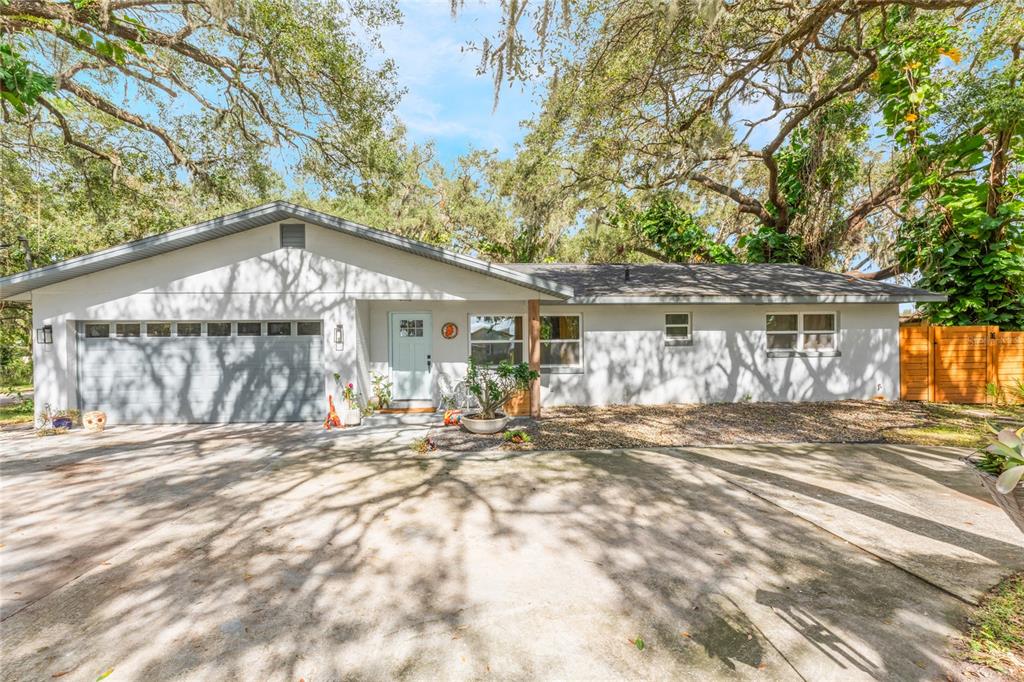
446,101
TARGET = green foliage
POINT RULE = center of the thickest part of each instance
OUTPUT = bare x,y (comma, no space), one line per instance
18,412
674,233
20,85
1004,457
495,386
995,636
382,389
964,235
767,245
517,437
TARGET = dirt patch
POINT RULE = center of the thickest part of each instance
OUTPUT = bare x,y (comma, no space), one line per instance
846,421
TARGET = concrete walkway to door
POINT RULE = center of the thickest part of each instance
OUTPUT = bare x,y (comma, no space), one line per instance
269,552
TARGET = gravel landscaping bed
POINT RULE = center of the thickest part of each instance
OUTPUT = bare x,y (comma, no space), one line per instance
635,426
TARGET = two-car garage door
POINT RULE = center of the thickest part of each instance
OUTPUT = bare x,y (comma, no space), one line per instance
182,371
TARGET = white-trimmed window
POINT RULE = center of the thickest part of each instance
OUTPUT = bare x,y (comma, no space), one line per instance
493,338
802,332
678,329
97,330
128,330
561,342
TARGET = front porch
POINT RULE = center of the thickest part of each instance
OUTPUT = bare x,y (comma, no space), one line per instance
423,346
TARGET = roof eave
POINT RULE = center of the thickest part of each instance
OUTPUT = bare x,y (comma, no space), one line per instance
15,285
761,299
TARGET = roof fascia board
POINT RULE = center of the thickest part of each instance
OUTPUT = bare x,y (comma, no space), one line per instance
269,213
433,252
710,300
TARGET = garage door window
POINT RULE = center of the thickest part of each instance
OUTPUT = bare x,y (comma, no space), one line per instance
97,331
309,328
190,329
250,328
129,329
159,329
218,329
279,328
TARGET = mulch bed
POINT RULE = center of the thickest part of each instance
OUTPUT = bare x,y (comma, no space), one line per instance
637,426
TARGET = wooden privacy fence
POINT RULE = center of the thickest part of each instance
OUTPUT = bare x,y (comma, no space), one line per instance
961,364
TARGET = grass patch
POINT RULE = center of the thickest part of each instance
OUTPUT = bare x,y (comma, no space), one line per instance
17,413
956,425
995,635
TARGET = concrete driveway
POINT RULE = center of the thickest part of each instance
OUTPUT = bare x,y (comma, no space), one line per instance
260,552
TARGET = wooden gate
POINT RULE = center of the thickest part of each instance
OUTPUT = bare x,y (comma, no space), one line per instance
961,364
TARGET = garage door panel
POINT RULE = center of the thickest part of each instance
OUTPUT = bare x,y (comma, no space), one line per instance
203,379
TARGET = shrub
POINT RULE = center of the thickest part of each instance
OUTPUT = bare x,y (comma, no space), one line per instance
495,386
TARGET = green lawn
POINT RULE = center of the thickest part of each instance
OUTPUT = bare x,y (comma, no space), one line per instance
17,413
957,425
995,637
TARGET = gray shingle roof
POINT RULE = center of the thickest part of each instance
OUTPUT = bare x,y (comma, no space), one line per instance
712,283
575,282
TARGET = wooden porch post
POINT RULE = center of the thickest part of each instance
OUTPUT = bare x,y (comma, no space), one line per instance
533,349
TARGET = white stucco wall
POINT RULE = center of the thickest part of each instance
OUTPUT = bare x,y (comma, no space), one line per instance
626,361
247,276
449,355
347,281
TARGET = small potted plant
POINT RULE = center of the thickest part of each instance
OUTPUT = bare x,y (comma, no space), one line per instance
382,387
493,387
1001,468
352,414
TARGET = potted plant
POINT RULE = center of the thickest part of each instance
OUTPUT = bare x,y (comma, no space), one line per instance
352,415
381,390
1001,468
493,387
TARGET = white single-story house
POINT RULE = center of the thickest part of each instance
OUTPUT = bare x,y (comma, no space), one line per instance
248,317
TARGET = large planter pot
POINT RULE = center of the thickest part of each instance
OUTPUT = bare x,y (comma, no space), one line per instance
1012,503
351,417
484,426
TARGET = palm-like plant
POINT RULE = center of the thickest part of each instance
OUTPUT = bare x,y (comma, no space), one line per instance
495,386
1004,458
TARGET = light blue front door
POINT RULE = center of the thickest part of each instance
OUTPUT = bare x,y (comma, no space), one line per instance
411,348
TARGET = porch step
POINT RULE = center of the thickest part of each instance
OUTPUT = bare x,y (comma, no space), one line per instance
407,410
404,419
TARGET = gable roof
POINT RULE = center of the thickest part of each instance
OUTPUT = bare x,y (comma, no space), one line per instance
573,283
714,283
274,212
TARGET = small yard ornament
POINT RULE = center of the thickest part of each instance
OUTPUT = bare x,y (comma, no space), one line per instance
94,421
452,417
333,420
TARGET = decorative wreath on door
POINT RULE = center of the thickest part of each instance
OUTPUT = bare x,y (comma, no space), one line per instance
450,330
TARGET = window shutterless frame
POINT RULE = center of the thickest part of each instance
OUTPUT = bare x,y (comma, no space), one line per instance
792,333
518,324
678,329
553,368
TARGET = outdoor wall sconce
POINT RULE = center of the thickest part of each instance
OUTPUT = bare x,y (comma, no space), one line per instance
339,336
44,334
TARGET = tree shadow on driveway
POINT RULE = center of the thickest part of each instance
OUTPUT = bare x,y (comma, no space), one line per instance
276,553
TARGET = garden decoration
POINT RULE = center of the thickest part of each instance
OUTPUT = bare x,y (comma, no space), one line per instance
493,387
452,417
333,420
94,421
1001,468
